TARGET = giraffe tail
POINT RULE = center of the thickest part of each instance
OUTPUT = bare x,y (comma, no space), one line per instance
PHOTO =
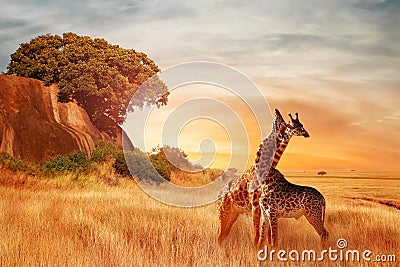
323,213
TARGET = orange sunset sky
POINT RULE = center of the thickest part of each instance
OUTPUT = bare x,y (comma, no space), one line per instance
335,62
352,125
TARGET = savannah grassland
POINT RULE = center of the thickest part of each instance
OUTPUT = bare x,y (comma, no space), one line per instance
87,221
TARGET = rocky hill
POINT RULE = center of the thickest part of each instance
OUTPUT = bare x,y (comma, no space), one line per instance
35,127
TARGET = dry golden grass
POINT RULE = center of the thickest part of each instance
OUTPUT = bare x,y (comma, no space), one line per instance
64,222
194,179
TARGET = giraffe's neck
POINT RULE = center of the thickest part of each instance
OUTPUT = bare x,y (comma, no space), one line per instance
264,157
270,151
281,147
266,151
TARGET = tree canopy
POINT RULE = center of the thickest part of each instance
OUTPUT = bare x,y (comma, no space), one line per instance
100,76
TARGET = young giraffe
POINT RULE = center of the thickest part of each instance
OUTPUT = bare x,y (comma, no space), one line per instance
282,199
235,198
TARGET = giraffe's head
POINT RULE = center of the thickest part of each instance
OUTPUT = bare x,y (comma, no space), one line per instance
296,128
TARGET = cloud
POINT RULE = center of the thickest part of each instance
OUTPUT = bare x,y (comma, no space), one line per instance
259,34
384,119
393,117
358,123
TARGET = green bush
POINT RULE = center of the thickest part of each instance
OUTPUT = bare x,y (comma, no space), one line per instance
15,164
104,151
58,163
120,163
78,161
161,164
139,163
141,166
152,167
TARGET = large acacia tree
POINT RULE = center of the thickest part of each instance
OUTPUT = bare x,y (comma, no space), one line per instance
100,76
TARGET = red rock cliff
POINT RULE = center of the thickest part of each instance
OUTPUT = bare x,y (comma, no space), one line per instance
35,127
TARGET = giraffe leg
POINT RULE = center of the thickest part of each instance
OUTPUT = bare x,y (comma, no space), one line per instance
227,228
265,227
269,232
223,217
316,218
227,218
256,213
273,220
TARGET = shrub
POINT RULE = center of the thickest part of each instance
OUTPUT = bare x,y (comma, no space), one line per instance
58,163
120,163
161,164
78,162
176,158
142,167
15,164
140,164
103,151
151,168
